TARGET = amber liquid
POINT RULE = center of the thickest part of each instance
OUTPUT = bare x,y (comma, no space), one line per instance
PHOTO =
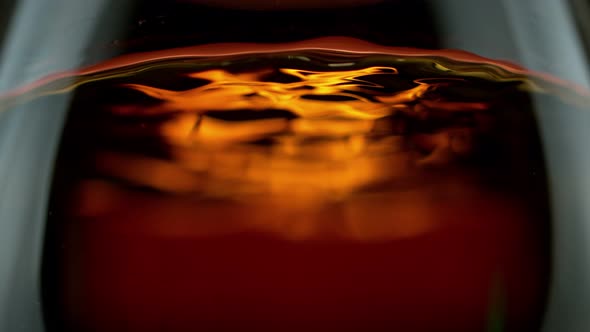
299,191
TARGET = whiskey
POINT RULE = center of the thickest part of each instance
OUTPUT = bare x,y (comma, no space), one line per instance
325,185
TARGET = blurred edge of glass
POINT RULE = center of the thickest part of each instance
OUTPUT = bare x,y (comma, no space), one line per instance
39,38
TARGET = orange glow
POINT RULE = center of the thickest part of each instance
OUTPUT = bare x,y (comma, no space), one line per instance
247,91
319,157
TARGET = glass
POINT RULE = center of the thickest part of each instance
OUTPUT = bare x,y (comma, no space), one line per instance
333,166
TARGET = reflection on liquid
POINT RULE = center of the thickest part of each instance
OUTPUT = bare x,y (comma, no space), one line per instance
323,148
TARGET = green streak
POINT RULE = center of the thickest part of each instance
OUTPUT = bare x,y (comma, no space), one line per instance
497,307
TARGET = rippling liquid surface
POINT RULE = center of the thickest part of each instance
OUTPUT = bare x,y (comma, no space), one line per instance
300,191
